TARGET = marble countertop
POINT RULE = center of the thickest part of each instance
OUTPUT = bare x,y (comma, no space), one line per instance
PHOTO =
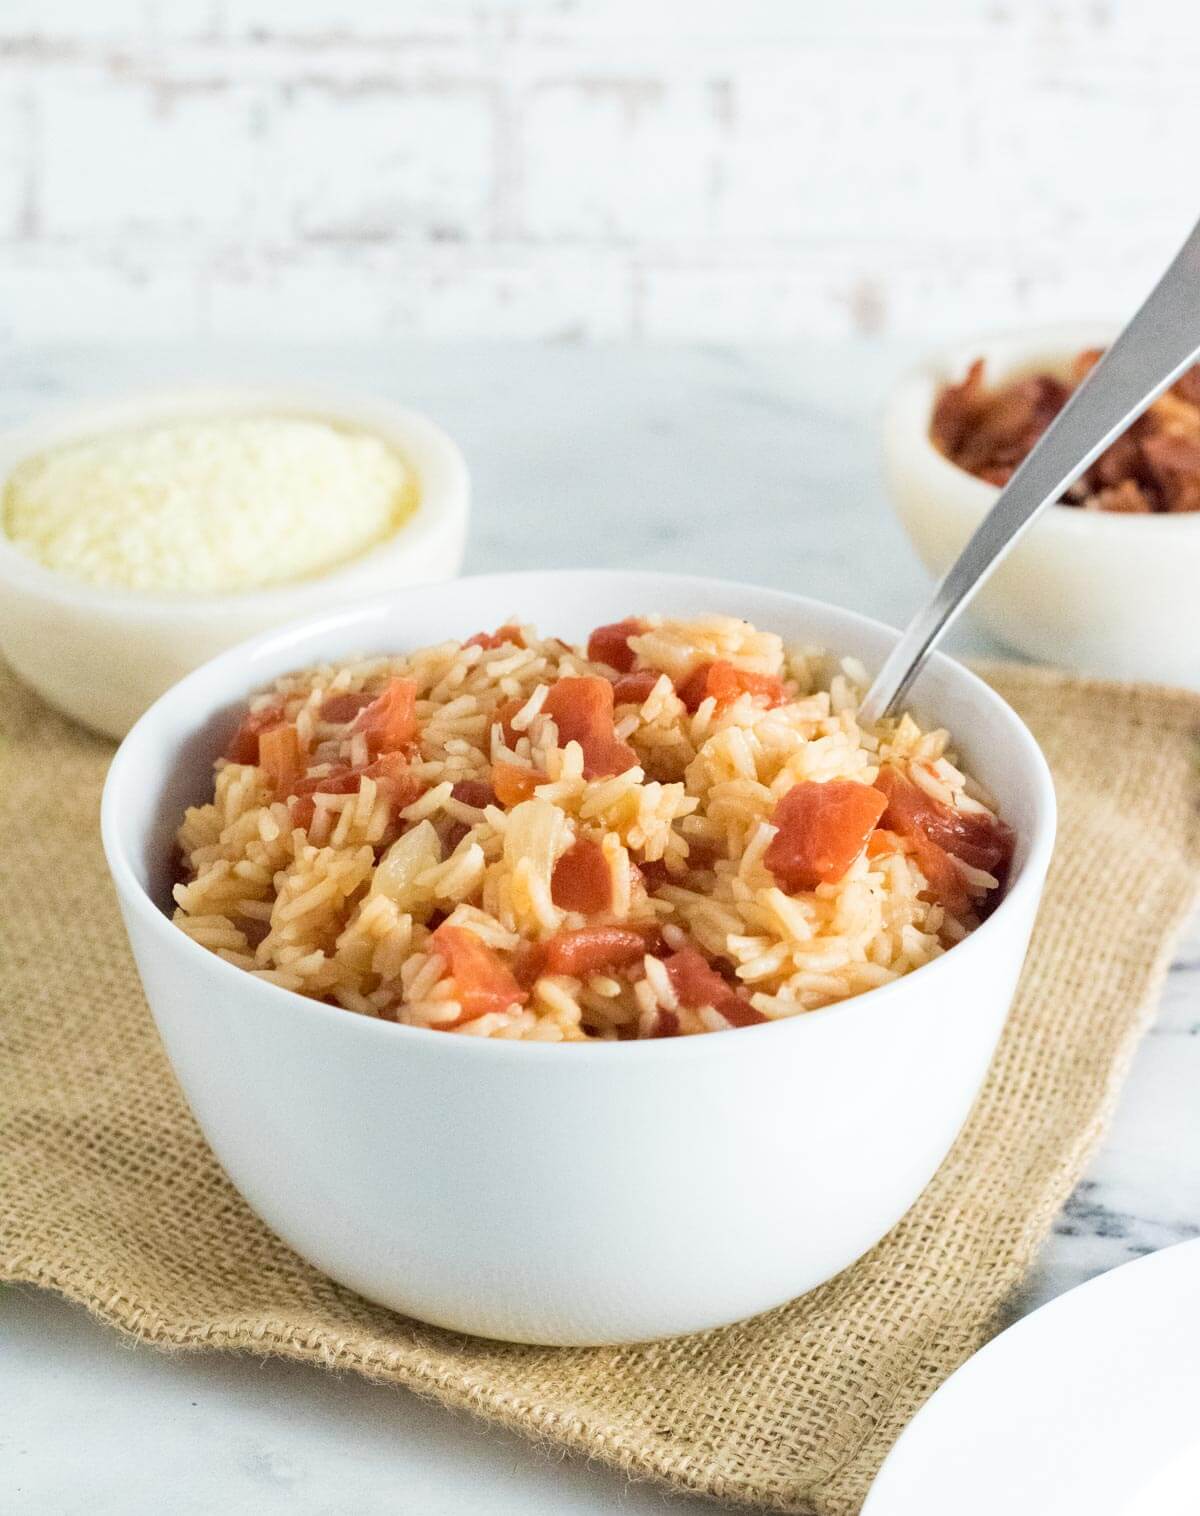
758,464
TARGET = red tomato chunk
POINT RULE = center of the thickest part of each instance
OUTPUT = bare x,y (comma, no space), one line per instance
634,689
390,721
582,879
583,712
493,640
610,644
822,830
503,715
592,949
697,984
345,707
724,682
243,747
482,979
934,832
979,839
390,771
881,843
279,752
515,782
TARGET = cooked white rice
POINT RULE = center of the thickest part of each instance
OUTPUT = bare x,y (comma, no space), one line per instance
338,897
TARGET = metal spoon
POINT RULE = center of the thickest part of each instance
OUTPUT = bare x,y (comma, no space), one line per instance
1161,341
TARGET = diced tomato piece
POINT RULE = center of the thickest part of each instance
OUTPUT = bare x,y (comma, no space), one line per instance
738,1011
280,753
582,879
493,640
946,884
483,981
979,839
934,832
303,809
822,830
725,682
390,721
503,714
593,948
583,712
243,747
346,706
476,792
610,644
697,983
390,771
515,782
881,843
634,689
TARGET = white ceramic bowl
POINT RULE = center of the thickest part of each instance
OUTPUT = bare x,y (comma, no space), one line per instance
569,1194
103,655
1108,594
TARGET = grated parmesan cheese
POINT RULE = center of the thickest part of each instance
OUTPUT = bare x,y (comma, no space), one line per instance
208,506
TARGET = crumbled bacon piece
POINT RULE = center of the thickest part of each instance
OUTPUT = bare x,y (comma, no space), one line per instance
610,644
991,431
698,984
956,408
582,710
1187,386
483,982
1154,466
822,828
1174,461
725,682
1083,363
582,879
1127,498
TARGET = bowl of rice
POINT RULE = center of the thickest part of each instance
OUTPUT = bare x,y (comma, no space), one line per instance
554,957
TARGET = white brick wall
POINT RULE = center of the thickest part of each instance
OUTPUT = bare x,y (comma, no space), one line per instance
597,169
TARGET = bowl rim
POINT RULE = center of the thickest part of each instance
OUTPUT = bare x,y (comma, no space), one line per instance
1024,891
442,475
908,412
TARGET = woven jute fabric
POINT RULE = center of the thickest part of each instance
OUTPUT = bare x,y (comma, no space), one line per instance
109,1195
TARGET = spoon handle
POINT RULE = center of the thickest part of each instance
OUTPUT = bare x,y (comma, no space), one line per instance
1160,342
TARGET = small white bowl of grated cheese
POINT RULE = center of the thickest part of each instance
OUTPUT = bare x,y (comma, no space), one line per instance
140,536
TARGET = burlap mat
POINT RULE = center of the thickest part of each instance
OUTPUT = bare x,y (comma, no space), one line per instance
109,1195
